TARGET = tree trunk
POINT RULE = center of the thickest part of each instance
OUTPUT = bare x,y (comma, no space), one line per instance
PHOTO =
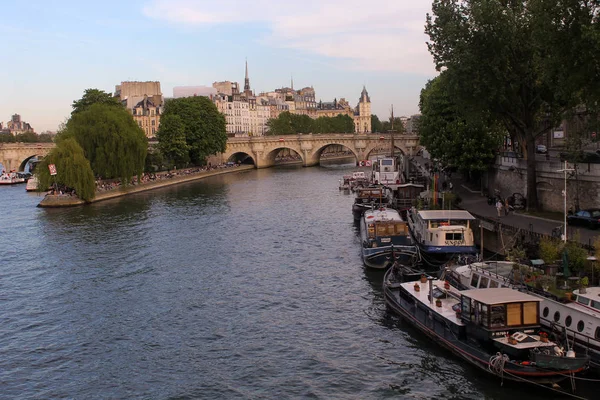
532,200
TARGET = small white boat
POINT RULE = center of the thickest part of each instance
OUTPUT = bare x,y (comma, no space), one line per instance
11,178
32,184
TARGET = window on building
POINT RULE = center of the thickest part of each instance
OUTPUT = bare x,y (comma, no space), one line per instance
153,122
152,112
153,131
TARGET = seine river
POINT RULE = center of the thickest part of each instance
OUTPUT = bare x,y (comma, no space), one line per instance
243,286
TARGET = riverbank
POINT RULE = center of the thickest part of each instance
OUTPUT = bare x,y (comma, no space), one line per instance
65,200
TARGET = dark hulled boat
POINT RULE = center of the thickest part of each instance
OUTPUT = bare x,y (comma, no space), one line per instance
495,330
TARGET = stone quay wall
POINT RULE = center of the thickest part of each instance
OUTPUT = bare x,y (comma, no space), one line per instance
509,175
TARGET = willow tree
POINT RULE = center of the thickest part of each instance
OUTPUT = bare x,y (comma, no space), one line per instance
524,61
459,138
111,140
73,170
94,96
204,126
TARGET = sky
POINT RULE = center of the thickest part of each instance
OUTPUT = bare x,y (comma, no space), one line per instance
54,50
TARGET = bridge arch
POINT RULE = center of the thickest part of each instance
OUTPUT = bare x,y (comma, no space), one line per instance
242,157
319,150
271,156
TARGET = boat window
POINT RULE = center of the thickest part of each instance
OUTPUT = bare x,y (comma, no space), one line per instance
434,224
580,326
513,314
493,284
454,236
597,335
466,307
431,237
583,300
497,316
474,280
568,321
458,222
530,313
596,304
483,315
557,316
545,312
483,282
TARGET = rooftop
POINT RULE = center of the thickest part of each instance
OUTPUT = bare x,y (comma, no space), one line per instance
499,296
445,214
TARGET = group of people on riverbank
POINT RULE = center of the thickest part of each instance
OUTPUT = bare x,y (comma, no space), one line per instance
149,177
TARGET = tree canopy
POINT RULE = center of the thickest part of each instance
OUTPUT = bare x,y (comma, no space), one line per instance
453,136
111,140
398,125
203,124
290,124
376,125
94,96
171,140
73,170
525,62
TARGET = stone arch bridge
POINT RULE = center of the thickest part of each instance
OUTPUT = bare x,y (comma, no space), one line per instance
261,149
15,156
264,149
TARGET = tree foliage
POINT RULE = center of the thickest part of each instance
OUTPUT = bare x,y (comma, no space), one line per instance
376,125
94,96
111,140
73,169
467,141
397,126
203,124
171,140
525,62
290,124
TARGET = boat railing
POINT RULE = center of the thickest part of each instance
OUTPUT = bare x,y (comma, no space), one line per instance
483,271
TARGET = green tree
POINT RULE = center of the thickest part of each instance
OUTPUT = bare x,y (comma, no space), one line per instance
111,140
204,126
73,170
7,138
154,160
27,137
282,125
342,123
376,125
397,127
467,141
94,96
526,62
171,140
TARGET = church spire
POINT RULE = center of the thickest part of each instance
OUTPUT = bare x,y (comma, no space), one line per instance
246,80
292,81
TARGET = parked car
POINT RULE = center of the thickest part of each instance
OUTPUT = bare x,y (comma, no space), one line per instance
589,218
540,148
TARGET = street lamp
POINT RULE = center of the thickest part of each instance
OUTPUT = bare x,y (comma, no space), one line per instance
565,170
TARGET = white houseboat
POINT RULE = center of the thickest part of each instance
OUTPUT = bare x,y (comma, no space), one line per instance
442,234
385,171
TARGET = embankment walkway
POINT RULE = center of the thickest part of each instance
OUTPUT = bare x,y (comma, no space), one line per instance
65,200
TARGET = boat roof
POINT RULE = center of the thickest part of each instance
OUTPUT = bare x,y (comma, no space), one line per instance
445,214
382,214
498,296
404,185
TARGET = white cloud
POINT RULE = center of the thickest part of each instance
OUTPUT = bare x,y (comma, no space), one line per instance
367,35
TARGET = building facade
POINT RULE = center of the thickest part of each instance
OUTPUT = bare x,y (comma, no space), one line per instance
145,101
17,126
362,114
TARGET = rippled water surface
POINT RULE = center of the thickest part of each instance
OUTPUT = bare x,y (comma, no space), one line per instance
248,285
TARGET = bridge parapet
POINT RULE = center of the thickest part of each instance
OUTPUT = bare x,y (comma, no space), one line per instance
14,156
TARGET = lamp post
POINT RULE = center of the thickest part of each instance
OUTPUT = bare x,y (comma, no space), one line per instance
565,170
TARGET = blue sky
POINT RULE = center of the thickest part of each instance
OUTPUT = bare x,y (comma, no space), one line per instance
54,50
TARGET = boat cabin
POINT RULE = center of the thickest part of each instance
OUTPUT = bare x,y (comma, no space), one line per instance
499,309
367,195
403,195
385,171
386,228
444,230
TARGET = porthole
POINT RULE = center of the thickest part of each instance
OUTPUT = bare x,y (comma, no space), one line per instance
556,316
568,320
545,312
580,326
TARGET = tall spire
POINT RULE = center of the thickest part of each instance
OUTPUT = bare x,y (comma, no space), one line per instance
246,80
292,81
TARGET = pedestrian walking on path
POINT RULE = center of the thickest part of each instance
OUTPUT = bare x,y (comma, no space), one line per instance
499,207
506,209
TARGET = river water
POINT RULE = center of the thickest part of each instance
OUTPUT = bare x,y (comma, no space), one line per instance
248,285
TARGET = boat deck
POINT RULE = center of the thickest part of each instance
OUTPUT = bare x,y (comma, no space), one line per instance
452,298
